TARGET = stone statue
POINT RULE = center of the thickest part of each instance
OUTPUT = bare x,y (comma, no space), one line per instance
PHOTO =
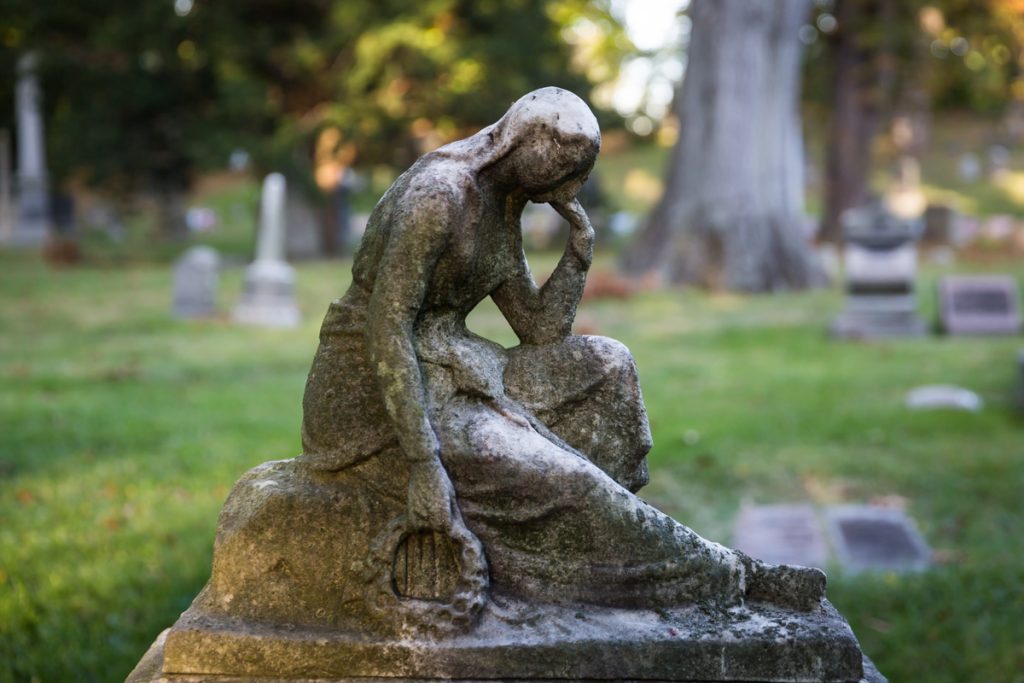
454,496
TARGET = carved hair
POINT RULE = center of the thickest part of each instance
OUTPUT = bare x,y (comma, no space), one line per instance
556,123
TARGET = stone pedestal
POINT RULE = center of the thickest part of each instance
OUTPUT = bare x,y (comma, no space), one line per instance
466,512
556,643
268,296
286,602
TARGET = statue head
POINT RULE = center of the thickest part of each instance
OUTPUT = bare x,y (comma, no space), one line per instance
546,143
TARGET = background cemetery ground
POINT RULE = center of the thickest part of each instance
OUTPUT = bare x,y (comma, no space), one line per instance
124,431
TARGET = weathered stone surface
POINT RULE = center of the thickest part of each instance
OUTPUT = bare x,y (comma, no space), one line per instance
465,511
541,641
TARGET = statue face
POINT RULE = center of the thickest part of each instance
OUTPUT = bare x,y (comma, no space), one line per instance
550,141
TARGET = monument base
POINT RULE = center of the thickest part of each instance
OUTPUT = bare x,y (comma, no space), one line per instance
515,641
28,234
268,298
868,317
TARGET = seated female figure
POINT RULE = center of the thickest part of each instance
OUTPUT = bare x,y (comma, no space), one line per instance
536,450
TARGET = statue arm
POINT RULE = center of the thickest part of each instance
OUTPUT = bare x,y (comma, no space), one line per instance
545,315
405,268
400,285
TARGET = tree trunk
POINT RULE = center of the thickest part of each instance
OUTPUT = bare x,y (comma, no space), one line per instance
732,215
858,95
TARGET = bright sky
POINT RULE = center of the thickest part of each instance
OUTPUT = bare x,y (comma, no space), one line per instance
654,26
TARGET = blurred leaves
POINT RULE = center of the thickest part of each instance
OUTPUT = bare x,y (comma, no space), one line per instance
142,95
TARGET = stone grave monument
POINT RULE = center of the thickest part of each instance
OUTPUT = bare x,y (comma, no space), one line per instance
783,533
196,276
869,538
979,304
32,224
268,295
880,267
304,237
463,511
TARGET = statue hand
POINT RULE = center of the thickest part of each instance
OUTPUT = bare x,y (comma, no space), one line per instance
431,501
581,232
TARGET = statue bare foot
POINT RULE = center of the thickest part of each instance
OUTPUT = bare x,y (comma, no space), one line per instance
801,588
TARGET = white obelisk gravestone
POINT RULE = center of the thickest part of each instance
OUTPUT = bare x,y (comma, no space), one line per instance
268,298
33,221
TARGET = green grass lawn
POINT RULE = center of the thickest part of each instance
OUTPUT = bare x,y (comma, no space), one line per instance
122,431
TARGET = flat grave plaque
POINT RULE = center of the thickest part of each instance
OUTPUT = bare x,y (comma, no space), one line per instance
873,538
781,534
979,304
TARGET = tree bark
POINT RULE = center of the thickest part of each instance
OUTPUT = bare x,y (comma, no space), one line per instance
858,97
732,215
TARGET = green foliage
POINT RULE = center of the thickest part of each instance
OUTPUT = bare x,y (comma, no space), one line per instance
124,431
140,97
961,53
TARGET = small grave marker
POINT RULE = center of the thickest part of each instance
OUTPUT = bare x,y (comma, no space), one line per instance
979,304
195,283
781,534
943,396
871,538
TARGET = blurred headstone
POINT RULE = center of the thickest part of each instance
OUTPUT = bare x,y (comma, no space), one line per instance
359,223
268,296
196,276
33,222
940,224
943,396
341,210
979,304
781,534
874,538
880,264
304,235
969,167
